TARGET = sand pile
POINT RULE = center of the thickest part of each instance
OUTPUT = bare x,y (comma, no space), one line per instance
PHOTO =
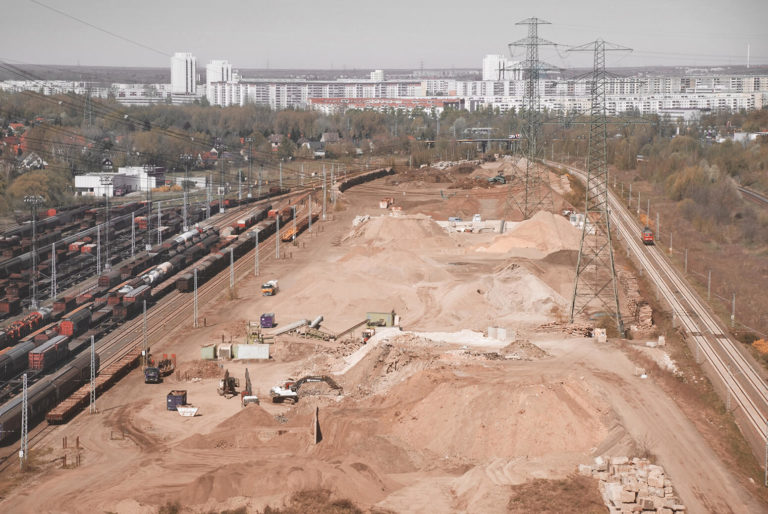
447,413
545,232
407,232
519,295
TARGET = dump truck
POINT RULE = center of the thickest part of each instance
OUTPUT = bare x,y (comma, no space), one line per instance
269,288
289,389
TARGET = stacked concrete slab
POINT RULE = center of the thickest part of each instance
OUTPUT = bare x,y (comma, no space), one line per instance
633,485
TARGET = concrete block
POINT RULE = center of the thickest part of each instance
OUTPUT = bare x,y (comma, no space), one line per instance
642,490
628,496
601,464
602,475
658,502
665,511
678,507
646,503
662,341
667,482
618,461
613,492
669,492
585,470
656,480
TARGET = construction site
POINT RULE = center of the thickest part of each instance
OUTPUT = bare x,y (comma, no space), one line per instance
403,359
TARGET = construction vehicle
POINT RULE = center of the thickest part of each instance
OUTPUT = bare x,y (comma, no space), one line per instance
367,334
289,390
647,236
154,374
228,386
269,288
498,179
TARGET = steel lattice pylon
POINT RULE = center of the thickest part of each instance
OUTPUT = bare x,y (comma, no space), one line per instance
530,191
595,284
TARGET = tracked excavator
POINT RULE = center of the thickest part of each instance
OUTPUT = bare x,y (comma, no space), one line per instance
289,390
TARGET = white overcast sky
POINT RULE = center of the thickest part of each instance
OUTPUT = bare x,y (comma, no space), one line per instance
363,34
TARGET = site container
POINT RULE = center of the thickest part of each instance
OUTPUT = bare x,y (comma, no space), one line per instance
208,351
267,320
176,398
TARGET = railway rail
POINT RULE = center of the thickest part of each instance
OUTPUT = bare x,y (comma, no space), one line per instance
754,196
741,380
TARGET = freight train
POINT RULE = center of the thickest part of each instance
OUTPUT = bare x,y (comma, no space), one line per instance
43,395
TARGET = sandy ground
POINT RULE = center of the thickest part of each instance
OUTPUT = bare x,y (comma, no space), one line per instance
431,419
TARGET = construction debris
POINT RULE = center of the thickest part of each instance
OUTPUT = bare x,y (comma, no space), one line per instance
633,485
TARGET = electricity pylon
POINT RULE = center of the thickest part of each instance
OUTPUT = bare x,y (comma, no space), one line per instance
596,286
531,192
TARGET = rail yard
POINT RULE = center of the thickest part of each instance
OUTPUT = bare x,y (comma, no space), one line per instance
414,320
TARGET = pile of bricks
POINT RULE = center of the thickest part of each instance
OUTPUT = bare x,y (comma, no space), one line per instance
633,486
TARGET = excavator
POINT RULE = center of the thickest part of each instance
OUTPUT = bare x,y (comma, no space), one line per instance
289,390
228,386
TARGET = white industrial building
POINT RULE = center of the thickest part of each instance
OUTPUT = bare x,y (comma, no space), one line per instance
498,67
127,180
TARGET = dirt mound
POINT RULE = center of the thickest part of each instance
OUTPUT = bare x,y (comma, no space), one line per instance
200,369
523,296
411,232
545,232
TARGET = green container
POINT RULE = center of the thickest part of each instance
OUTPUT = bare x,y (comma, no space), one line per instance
208,351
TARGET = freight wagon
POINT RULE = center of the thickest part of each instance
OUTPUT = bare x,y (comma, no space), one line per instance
46,356
43,395
76,322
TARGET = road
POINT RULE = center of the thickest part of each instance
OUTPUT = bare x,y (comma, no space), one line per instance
735,373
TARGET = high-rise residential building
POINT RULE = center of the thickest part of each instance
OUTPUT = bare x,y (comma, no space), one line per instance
498,67
217,71
184,73
377,75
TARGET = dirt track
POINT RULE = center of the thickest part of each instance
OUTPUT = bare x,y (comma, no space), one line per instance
422,425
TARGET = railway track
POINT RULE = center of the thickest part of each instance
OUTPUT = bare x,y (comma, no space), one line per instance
754,196
742,381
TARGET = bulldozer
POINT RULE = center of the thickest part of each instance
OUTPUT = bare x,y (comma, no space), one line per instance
289,390
228,386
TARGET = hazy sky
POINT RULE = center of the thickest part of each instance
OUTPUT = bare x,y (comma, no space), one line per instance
365,34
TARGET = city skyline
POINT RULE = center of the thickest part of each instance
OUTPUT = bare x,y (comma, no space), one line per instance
299,35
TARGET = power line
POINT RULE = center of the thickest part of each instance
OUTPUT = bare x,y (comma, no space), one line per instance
105,31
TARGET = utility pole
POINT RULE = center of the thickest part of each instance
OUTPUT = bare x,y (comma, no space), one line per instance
53,271
194,322
34,201
596,269
256,253
309,199
261,173
144,341
185,187
231,269
249,140
324,194
148,240
133,234
281,176
333,181
159,221
208,197
24,446
106,180
239,185
277,237
98,249
293,239
92,409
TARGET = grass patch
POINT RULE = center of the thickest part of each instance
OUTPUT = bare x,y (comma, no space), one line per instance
573,494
